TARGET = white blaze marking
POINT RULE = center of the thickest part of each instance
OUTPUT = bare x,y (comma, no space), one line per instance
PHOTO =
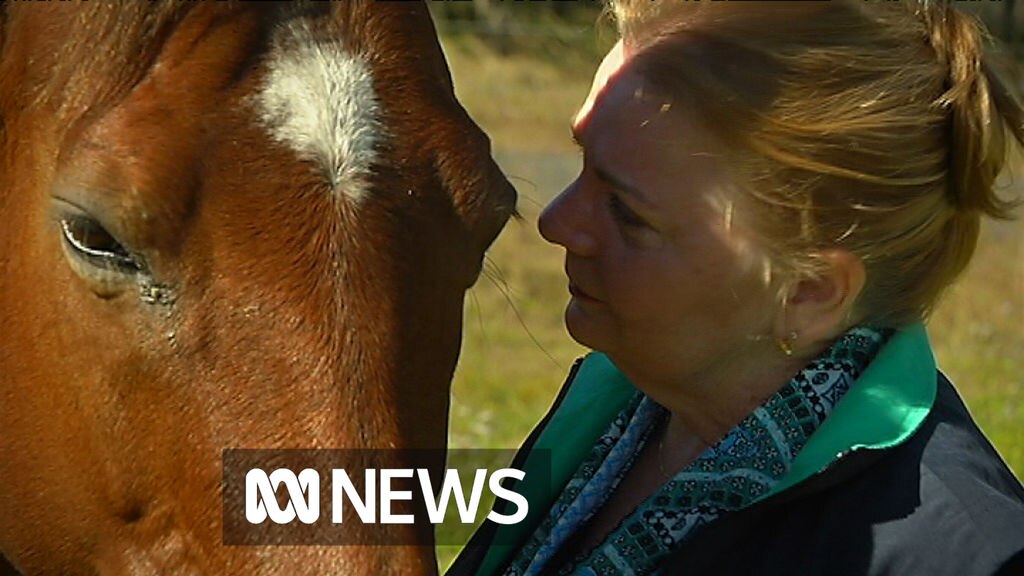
319,100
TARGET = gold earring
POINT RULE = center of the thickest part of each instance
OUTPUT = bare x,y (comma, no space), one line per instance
784,344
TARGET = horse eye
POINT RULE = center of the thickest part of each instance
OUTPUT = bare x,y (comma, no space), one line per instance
89,241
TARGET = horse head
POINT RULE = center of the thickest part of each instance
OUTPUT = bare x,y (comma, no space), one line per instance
223,225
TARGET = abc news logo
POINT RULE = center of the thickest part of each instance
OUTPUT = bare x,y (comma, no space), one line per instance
379,493
317,497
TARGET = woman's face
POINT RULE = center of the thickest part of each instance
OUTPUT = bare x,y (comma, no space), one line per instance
660,281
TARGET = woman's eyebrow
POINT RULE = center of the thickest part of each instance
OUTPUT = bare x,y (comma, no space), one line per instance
624,187
606,176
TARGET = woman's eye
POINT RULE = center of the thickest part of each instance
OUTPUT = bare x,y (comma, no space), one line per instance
623,214
89,241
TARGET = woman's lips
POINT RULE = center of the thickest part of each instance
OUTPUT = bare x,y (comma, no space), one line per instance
577,292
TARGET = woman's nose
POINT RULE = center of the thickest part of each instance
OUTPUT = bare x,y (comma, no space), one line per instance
567,221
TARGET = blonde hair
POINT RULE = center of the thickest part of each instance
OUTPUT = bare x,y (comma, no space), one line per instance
878,128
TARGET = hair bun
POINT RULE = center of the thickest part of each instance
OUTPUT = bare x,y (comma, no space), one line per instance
979,110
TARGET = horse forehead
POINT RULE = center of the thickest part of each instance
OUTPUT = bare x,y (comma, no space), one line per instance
318,99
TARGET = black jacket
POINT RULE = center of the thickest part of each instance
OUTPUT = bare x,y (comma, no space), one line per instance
942,503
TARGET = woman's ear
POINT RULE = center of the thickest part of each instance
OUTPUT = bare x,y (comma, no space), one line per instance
818,309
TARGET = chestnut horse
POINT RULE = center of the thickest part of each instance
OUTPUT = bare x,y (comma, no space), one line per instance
223,225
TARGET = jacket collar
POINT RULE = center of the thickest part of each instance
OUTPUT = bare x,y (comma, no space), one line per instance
883,409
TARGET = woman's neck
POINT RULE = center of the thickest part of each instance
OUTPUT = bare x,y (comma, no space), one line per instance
706,408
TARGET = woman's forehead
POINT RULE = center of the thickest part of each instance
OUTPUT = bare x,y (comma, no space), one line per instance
623,104
610,67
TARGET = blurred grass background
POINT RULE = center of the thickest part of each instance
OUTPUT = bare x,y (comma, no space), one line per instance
521,74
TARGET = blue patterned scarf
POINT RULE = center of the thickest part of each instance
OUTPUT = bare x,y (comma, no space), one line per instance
734,473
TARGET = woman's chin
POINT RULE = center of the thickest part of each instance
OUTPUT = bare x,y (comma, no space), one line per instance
582,325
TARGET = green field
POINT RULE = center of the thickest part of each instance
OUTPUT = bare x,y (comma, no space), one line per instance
516,352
